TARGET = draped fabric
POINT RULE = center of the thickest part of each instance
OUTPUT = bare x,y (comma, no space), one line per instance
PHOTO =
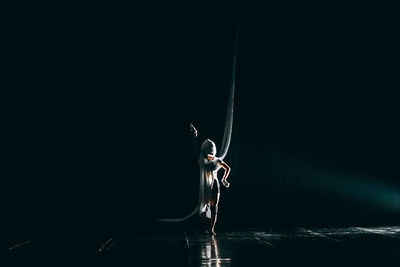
226,140
209,168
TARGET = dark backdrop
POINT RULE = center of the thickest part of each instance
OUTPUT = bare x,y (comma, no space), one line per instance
100,98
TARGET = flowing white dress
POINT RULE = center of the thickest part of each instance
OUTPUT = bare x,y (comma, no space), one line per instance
208,172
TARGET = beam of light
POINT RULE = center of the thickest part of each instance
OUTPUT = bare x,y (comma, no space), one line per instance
357,188
298,175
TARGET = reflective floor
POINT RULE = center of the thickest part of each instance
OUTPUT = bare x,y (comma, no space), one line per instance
352,246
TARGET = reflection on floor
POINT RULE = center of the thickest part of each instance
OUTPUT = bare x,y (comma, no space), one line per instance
352,246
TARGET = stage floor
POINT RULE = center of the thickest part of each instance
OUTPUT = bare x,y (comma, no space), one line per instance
351,246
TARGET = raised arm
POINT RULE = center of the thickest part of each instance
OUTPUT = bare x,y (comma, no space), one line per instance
195,141
193,130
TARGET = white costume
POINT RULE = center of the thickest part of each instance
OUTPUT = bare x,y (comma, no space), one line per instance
209,168
208,175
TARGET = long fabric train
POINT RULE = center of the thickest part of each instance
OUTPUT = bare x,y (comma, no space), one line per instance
226,140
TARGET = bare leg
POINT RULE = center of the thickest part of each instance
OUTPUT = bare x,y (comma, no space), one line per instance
214,203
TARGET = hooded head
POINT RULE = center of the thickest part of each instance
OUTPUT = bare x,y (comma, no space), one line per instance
208,148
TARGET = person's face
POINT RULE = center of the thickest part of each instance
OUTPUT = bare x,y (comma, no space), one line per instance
212,150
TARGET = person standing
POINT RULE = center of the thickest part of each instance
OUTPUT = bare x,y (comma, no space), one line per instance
209,193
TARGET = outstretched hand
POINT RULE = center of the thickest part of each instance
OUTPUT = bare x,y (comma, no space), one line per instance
193,130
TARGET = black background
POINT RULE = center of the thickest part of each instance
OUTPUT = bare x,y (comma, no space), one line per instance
100,96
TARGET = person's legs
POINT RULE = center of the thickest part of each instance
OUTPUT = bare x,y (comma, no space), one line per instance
214,211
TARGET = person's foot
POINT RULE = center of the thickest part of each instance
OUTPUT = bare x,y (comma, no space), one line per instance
212,232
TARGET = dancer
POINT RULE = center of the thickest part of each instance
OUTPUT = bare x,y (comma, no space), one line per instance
209,192
210,164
